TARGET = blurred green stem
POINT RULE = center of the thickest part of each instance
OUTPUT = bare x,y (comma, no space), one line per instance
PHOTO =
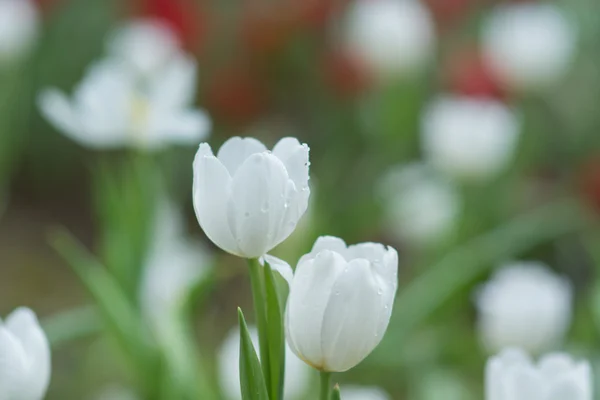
460,267
72,324
325,385
258,296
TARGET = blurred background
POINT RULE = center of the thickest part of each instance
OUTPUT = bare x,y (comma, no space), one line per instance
465,133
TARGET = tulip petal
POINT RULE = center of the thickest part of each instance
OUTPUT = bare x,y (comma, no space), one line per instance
23,324
12,365
176,86
524,383
182,127
257,203
352,316
236,150
309,295
57,108
279,265
295,158
211,192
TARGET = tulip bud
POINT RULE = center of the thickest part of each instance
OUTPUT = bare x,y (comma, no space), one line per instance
524,305
421,207
512,375
248,199
391,37
340,302
529,46
19,26
25,354
470,139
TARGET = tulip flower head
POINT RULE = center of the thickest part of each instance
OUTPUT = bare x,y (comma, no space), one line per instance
512,375
529,46
248,199
421,206
340,302
118,104
391,37
524,305
25,354
468,138
297,374
19,27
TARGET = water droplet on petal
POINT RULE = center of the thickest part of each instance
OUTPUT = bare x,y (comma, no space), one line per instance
265,207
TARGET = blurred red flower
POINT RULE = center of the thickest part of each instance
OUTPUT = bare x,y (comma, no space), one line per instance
186,17
344,74
468,75
234,95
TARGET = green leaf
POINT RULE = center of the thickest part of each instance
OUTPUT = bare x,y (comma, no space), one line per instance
275,334
336,395
252,380
72,324
114,306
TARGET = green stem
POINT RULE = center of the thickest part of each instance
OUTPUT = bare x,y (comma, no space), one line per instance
325,385
258,297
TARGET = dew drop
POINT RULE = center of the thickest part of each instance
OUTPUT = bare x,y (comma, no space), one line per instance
265,207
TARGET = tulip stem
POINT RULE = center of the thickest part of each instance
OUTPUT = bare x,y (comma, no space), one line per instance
258,297
325,385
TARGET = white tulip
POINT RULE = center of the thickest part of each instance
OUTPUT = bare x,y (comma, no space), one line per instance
391,37
529,46
113,107
471,139
25,357
174,265
524,305
512,375
297,374
420,206
351,392
248,199
147,45
340,302
19,28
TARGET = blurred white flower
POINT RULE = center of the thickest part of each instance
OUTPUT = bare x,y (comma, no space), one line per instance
340,302
420,206
512,375
113,108
529,46
24,357
391,37
524,305
248,199
174,266
468,138
351,392
19,26
297,374
146,45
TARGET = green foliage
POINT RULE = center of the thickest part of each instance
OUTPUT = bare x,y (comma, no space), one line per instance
252,380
